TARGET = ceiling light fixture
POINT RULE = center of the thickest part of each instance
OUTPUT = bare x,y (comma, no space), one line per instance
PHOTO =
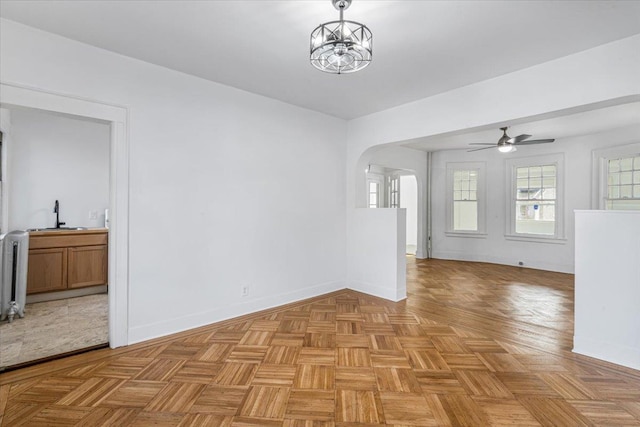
340,47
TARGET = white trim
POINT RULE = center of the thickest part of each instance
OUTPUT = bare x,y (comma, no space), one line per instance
228,311
599,170
472,234
29,97
556,159
478,257
481,198
535,238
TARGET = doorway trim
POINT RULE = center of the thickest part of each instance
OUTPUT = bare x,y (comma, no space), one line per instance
16,95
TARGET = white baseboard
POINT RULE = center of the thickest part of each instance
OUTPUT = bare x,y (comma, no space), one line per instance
461,256
611,352
224,312
390,294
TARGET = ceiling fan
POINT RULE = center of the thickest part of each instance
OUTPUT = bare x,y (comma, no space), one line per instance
506,143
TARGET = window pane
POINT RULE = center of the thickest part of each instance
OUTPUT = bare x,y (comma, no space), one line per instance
549,182
549,194
535,183
535,218
549,170
626,164
625,191
614,165
636,163
636,191
614,192
636,177
465,216
457,195
535,200
625,178
474,196
373,187
614,178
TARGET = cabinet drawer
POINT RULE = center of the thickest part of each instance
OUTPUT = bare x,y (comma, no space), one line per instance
42,242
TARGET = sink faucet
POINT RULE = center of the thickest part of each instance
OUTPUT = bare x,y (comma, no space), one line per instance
56,210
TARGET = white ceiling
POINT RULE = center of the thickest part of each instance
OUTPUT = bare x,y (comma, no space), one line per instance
421,48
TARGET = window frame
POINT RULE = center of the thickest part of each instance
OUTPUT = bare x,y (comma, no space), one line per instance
512,164
600,170
481,196
379,180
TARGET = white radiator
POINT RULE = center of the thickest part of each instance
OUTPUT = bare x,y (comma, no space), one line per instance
13,274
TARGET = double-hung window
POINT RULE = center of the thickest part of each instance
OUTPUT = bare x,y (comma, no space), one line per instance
466,199
535,199
623,183
618,171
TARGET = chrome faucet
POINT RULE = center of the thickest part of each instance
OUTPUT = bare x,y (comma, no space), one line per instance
56,210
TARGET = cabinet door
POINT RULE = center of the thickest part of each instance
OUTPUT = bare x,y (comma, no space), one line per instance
87,266
47,270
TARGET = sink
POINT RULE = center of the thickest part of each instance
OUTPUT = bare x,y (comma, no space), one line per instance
57,229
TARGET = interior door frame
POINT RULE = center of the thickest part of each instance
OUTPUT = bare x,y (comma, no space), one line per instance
16,95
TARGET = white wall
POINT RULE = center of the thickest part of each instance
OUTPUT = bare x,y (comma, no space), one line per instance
55,157
379,266
224,184
495,247
607,301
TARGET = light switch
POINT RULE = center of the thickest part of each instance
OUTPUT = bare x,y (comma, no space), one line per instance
93,215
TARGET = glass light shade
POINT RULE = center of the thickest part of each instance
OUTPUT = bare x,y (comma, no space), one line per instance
340,47
507,148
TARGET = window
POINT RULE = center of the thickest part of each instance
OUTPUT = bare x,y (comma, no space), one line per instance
535,208
375,196
394,192
465,199
616,178
623,183
374,189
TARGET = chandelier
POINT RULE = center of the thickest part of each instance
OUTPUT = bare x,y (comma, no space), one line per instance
341,46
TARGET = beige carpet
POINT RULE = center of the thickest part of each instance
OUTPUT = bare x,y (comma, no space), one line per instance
54,327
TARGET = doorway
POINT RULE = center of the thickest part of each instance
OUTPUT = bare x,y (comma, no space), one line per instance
59,158
16,96
409,201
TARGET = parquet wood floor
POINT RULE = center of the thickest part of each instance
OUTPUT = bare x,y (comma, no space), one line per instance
473,345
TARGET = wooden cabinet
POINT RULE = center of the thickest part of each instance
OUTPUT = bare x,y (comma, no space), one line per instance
70,259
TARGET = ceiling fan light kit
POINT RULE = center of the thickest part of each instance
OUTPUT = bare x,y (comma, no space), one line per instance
506,144
340,47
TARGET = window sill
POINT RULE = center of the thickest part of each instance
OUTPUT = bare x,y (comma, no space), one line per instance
472,234
535,239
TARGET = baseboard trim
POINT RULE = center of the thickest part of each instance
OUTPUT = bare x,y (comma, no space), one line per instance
609,352
461,256
390,294
195,320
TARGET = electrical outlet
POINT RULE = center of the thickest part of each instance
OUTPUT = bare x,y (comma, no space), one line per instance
244,290
93,215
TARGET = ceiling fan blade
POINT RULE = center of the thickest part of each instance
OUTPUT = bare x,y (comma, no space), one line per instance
519,138
534,141
483,143
483,148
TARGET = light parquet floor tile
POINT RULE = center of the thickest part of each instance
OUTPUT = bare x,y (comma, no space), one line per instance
473,345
